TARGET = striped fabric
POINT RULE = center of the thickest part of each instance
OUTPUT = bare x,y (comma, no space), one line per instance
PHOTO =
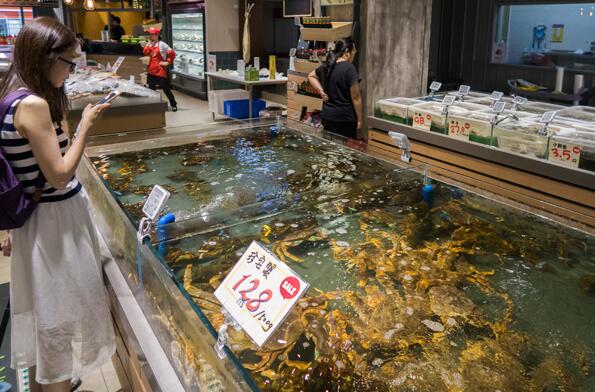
18,152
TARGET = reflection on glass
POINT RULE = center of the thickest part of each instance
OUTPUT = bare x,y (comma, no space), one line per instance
546,35
188,43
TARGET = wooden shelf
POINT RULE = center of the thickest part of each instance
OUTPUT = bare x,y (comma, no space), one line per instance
309,102
339,30
305,66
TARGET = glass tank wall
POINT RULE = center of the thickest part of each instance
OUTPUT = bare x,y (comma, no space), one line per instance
411,288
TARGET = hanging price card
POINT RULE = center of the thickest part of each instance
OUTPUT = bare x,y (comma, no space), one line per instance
422,121
564,153
259,292
459,129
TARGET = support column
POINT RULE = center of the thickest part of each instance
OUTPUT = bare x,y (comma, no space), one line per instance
395,45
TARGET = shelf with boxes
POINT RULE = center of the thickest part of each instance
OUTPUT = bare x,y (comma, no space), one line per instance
541,153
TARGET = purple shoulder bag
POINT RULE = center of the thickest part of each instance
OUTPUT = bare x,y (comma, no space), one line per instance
15,207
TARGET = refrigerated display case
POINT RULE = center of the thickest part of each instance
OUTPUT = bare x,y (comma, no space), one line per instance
187,35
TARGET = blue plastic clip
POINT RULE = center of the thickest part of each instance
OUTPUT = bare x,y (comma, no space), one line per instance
161,233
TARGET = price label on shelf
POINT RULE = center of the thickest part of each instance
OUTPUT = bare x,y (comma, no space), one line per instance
564,153
459,129
259,292
422,121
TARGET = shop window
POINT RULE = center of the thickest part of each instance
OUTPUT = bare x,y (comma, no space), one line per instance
546,35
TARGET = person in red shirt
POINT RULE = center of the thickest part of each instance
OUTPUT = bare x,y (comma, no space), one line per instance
161,56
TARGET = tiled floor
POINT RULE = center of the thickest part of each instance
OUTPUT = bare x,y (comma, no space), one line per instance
191,111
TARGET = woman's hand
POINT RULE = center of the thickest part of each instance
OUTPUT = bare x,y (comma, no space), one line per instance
323,96
164,64
92,113
359,125
6,246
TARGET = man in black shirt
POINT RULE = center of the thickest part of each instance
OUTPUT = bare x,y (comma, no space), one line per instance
116,31
338,83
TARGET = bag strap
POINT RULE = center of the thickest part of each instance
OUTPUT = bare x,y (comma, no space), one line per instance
5,106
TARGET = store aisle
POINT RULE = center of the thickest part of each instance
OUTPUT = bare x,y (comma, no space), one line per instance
104,379
191,111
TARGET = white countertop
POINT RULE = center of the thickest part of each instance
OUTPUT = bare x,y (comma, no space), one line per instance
234,77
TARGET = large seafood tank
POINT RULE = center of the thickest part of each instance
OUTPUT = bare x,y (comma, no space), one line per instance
414,284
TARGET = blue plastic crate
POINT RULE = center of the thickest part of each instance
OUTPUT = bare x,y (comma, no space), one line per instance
239,108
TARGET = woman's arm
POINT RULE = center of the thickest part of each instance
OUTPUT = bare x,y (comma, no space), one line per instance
315,82
356,97
33,121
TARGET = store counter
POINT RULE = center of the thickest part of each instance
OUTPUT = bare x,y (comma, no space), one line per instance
138,108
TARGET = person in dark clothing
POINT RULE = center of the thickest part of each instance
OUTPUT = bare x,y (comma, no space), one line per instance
116,31
337,81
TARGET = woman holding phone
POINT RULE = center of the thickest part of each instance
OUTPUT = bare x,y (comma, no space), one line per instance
61,325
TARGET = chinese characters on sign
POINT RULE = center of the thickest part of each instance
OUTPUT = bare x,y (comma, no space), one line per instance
564,153
259,292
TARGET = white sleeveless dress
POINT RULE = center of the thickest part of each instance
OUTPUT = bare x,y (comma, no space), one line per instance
59,310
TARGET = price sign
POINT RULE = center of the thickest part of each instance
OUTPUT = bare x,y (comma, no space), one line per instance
498,107
464,90
435,86
155,202
422,121
564,153
497,95
459,129
547,117
448,100
519,101
259,292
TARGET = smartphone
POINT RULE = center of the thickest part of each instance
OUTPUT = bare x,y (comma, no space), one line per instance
110,97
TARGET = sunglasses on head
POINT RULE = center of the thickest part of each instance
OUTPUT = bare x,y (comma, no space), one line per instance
72,64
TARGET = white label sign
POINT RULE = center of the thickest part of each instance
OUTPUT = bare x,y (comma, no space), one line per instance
155,202
497,95
464,90
422,121
547,117
448,100
519,100
212,63
259,292
498,107
117,64
564,153
459,129
435,86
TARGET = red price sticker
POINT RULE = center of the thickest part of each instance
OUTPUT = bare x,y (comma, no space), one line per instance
422,121
259,292
564,153
459,129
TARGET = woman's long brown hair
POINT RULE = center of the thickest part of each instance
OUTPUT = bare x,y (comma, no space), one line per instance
36,50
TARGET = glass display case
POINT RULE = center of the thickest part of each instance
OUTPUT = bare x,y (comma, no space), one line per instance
409,289
188,41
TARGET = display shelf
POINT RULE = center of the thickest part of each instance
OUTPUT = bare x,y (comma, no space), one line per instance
339,30
305,66
189,40
189,51
309,102
189,75
186,29
577,177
